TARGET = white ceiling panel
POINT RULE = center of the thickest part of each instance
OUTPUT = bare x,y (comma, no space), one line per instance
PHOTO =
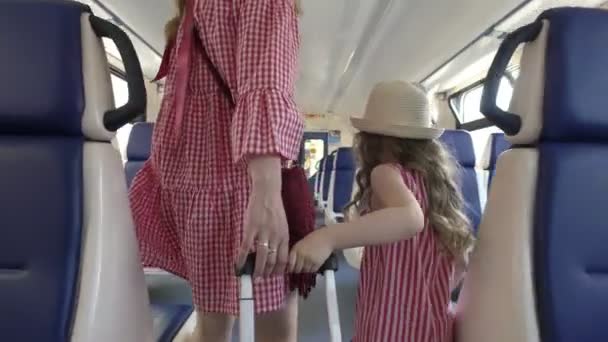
347,45
472,64
146,17
411,41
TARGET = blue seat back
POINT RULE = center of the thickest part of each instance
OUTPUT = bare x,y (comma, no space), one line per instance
497,144
138,148
329,167
459,143
540,268
319,177
68,254
41,173
570,221
344,178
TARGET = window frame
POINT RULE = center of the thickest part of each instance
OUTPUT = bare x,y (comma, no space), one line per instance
114,71
479,123
458,96
118,73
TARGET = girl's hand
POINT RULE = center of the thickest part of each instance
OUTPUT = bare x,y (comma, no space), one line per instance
309,254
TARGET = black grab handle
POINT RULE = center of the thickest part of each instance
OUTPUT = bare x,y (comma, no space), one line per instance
115,118
331,264
510,123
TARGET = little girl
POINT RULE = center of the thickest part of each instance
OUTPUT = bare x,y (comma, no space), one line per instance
411,222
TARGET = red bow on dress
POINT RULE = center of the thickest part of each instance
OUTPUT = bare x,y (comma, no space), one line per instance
163,70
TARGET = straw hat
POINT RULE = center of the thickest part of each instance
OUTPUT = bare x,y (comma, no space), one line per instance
397,109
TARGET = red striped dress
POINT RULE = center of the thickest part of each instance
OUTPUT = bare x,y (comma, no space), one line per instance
404,288
189,198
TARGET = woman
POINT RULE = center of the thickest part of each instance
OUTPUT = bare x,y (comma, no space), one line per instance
211,191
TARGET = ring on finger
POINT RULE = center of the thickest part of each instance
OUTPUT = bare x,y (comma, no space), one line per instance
264,244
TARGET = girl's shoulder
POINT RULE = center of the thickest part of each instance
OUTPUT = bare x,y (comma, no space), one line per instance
409,176
396,166
386,174
385,169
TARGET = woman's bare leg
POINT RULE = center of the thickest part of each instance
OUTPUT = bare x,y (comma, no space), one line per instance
281,325
277,326
213,328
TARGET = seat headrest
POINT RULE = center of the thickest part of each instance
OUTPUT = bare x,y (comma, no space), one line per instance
55,74
497,143
560,94
460,144
140,141
345,159
42,90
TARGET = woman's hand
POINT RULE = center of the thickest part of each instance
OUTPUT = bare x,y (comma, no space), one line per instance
309,254
265,224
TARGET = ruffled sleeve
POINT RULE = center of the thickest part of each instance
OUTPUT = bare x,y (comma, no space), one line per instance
266,119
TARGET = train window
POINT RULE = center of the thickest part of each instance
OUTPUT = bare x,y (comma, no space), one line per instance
121,96
515,73
313,153
466,103
465,106
120,89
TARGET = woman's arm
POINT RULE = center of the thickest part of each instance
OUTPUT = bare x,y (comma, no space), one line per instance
266,126
265,222
266,120
401,217
265,172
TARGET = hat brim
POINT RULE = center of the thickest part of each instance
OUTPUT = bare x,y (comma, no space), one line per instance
397,131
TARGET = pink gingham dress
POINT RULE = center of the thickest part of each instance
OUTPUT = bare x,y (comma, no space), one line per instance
404,287
189,198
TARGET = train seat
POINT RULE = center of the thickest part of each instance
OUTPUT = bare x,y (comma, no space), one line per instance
341,185
69,265
460,144
138,148
540,267
319,183
497,144
318,179
326,180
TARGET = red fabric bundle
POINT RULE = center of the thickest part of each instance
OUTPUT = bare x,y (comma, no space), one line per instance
300,212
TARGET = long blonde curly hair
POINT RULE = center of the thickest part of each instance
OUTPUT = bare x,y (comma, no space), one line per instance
172,25
439,170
